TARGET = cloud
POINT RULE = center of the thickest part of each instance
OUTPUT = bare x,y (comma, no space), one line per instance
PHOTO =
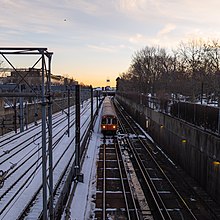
109,48
166,29
25,16
129,5
108,27
139,40
85,6
136,39
102,48
135,9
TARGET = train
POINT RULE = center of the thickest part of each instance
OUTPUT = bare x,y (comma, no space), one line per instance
109,121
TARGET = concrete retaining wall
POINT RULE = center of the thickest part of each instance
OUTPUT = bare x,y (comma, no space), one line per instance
188,146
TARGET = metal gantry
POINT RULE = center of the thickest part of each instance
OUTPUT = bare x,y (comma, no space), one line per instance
44,58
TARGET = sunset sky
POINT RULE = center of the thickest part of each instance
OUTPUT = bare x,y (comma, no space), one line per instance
94,40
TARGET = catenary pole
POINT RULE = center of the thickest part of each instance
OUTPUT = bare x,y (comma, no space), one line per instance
91,128
50,141
44,144
77,131
68,100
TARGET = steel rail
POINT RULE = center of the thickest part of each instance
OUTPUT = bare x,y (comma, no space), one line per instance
23,174
10,140
158,166
56,115
122,181
118,152
35,163
55,124
104,184
164,175
58,183
158,203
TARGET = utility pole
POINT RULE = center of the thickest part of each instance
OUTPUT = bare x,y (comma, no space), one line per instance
50,139
21,100
91,128
15,117
77,132
35,111
68,100
44,143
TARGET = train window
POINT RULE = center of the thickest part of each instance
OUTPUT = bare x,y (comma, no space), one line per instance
114,121
109,120
104,121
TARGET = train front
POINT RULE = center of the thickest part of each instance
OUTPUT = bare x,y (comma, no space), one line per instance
109,124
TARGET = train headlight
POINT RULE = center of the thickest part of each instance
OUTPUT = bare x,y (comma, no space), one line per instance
114,126
103,126
216,162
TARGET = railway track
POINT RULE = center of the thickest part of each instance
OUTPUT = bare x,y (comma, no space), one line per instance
167,195
114,196
8,139
23,180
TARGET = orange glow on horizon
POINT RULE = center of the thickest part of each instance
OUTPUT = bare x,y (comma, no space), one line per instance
97,82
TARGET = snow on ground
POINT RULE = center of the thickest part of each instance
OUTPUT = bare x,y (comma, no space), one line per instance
83,202
82,206
18,205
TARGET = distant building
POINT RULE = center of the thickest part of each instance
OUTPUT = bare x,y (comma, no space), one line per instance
33,77
23,76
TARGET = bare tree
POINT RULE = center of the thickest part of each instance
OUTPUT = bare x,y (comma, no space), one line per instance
213,56
192,69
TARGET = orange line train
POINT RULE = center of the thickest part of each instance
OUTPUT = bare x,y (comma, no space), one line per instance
109,123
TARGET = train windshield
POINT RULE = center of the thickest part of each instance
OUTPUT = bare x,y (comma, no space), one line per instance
114,121
109,121
104,121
